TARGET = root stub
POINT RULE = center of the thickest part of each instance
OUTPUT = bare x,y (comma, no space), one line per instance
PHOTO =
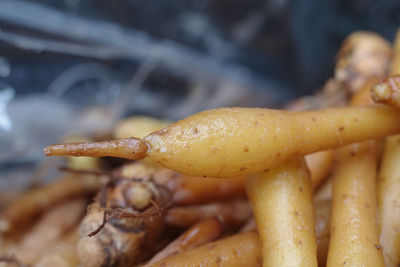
129,148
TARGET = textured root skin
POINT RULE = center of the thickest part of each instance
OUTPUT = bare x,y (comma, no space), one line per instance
387,92
129,148
116,245
232,142
115,232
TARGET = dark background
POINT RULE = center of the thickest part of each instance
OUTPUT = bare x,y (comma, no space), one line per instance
290,43
61,58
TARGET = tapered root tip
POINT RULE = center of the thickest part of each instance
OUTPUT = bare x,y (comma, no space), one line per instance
129,148
47,151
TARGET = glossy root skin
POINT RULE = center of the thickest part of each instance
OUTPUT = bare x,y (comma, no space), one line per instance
231,142
283,208
354,231
389,201
389,173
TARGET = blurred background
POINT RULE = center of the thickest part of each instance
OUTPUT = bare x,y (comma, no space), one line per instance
81,65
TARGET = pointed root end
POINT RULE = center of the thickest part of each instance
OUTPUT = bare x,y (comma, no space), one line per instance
129,148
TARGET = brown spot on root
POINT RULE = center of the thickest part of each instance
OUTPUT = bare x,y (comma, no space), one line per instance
299,242
378,247
341,129
314,119
366,205
218,260
301,189
195,131
352,153
296,213
243,168
278,154
246,149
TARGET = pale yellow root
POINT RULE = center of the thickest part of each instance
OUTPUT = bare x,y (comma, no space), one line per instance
389,201
389,176
235,251
232,142
354,237
322,216
319,164
281,198
322,223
